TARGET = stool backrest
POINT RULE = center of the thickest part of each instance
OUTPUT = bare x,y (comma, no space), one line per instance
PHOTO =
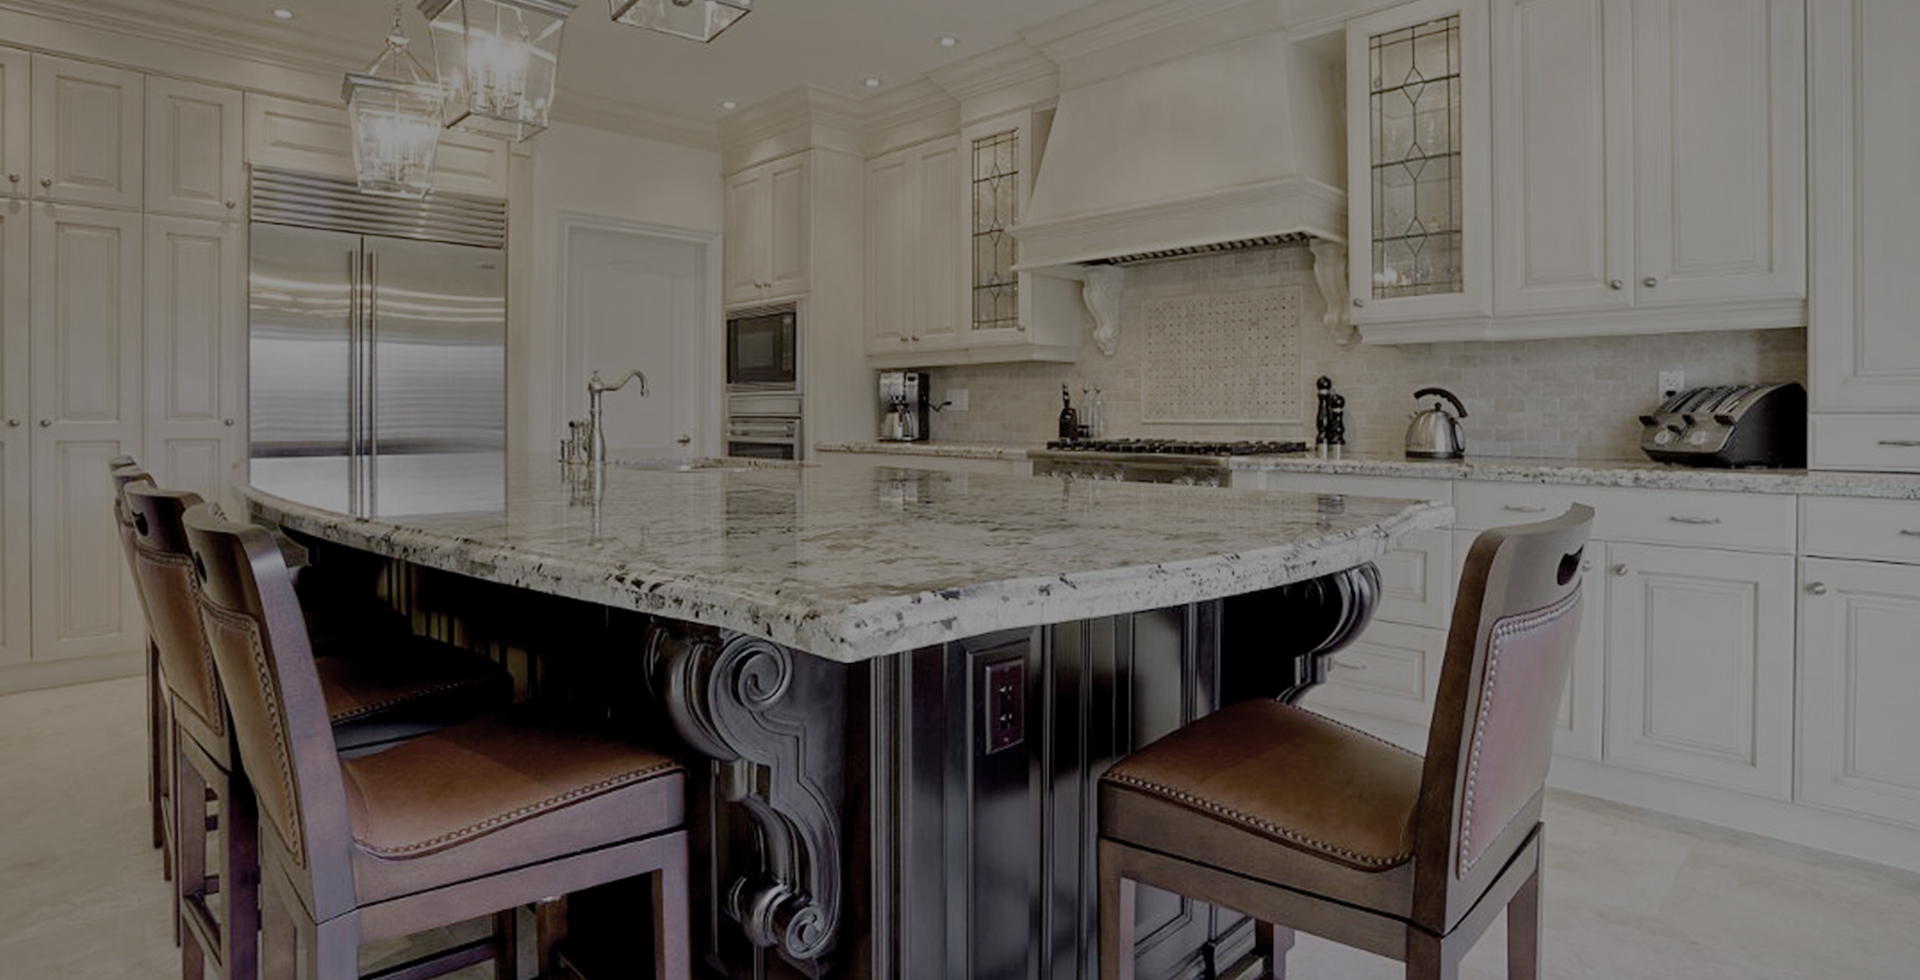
163,576
1516,617
258,637
124,475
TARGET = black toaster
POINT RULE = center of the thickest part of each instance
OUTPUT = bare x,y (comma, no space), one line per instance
1730,425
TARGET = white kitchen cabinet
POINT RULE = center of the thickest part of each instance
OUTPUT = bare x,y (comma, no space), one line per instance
1859,662
944,464
16,106
16,487
1384,682
87,126
1863,342
196,344
85,298
915,296
1700,655
194,156
767,210
296,135
1420,225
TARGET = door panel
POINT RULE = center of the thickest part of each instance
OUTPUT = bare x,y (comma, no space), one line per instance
86,341
301,307
87,133
194,156
15,482
196,353
16,72
437,316
637,301
1858,670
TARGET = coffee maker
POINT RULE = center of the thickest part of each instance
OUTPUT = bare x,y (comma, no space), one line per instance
903,397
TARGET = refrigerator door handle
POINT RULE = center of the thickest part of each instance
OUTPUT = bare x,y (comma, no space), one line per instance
372,382
353,380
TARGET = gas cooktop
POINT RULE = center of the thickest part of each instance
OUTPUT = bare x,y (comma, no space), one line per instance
1175,447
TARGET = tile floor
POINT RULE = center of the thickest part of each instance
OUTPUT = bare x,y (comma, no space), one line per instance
1630,895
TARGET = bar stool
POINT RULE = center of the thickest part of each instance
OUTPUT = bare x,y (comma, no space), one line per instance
1302,822
123,470
479,818
397,685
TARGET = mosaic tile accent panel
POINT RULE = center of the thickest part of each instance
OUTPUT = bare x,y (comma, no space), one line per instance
1223,357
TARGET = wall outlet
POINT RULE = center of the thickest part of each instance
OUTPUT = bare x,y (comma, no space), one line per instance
1672,383
956,400
1005,705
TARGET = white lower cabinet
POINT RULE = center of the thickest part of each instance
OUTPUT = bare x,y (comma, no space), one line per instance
1859,669
1700,665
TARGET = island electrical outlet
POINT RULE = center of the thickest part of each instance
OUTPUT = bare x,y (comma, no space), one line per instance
1006,705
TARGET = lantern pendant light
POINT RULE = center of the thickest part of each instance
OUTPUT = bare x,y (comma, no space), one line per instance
394,110
700,20
499,60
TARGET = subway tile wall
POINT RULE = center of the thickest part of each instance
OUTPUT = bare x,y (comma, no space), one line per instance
1540,398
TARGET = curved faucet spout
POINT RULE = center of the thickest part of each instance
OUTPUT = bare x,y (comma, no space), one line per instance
596,386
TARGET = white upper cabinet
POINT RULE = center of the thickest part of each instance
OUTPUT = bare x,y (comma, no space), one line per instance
196,347
1648,173
16,84
1863,339
194,150
915,298
88,122
1420,230
767,232
315,138
1719,102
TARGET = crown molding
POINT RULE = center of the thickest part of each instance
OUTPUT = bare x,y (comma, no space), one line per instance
616,116
1013,63
1095,28
801,118
908,114
191,27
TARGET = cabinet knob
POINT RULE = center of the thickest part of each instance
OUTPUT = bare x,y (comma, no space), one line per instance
13,423
1620,569
1586,565
903,339
914,339
1650,281
1617,284
227,422
232,204
14,178
684,439
46,182
46,423
1817,588
1357,301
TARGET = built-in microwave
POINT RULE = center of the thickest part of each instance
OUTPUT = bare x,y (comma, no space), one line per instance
763,347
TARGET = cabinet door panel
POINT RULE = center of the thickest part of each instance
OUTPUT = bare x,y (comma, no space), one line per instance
1700,664
87,127
889,231
1720,116
196,331
747,214
15,482
787,237
1865,349
86,395
194,149
1859,668
16,72
941,288
1563,198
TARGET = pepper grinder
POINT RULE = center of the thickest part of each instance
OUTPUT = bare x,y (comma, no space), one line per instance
1336,422
1323,416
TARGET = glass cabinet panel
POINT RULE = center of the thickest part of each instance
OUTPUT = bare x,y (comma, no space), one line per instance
996,198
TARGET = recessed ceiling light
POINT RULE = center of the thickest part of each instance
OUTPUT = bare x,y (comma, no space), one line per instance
729,104
948,42
282,13
872,83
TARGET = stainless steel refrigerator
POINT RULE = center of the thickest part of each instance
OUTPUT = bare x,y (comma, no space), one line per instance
377,347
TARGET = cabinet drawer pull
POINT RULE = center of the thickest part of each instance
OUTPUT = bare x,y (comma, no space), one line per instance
1694,520
1909,532
1522,509
1346,666
1901,443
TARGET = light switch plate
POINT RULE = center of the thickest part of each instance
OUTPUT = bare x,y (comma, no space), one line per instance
956,399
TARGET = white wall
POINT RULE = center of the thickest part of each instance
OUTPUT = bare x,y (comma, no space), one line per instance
608,175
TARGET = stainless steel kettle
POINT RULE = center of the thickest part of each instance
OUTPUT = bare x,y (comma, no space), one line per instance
1434,433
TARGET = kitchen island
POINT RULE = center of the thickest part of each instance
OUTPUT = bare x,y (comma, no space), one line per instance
907,681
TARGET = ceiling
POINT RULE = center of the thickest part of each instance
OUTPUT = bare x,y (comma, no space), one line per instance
830,44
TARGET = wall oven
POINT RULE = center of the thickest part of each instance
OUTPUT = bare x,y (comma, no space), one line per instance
764,436
763,348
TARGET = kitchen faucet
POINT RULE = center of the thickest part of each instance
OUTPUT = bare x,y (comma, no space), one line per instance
596,430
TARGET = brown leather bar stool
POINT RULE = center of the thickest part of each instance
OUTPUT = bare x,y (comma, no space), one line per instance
480,818
1304,823
394,685
123,470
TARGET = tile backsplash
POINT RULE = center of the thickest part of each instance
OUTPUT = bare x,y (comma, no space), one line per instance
1549,398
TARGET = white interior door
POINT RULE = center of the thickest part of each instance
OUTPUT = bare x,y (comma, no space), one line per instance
635,299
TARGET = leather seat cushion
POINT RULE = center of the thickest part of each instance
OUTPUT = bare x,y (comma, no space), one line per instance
404,685
499,793
1275,791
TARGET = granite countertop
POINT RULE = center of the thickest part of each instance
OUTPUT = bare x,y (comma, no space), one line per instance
1583,472
843,559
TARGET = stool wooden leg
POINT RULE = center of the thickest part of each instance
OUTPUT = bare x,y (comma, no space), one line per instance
672,959
549,930
1523,930
1272,943
240,881
1116,916
279,937
506,945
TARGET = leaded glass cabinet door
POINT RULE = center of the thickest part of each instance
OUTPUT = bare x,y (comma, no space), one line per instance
1419,217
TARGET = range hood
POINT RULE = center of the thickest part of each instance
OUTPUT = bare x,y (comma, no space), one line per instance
1237,145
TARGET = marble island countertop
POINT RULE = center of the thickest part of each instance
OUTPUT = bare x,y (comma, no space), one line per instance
1583,472
846,560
